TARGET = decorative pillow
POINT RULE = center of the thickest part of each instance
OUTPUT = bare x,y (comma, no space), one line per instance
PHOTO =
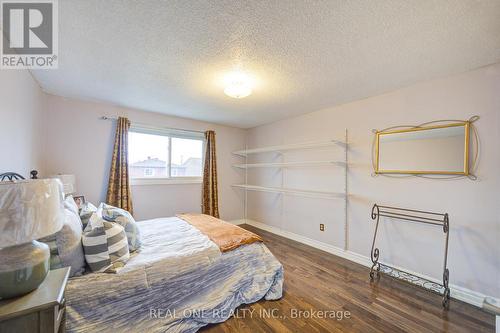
105,245
86,212
55,259
66,246
123,218
69,203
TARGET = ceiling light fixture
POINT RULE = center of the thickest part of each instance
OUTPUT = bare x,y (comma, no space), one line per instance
238,84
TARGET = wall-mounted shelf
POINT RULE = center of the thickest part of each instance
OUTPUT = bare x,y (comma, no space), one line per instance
281,148
289,164
283,165
302,193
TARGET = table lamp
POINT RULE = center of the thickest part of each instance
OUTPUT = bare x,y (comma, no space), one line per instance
29,210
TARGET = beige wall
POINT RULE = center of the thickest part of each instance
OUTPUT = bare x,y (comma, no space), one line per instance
20,116
78,142
474,206
68,135
59,135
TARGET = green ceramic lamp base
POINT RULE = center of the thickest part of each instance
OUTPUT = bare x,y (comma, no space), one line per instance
23,268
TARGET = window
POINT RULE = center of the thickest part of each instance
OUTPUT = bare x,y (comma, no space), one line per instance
159,156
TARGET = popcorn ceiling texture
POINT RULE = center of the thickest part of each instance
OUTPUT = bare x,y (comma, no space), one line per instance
166,56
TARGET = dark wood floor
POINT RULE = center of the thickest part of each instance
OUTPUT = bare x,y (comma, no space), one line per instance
316,280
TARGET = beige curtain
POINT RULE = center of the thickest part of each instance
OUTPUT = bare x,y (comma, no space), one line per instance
210,201
119,186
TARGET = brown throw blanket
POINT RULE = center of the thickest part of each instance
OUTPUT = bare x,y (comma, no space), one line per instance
227,236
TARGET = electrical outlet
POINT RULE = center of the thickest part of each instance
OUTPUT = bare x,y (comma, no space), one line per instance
321,227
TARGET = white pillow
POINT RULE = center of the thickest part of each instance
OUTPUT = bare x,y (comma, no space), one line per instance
69,243
86,212
66,245
69,203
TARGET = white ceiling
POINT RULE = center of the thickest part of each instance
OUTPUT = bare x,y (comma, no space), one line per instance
167,56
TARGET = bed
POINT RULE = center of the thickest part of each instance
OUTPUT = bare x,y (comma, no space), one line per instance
179,281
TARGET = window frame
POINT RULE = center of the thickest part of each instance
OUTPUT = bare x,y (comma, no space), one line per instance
170,133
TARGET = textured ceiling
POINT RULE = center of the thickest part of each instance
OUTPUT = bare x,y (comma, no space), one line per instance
168,56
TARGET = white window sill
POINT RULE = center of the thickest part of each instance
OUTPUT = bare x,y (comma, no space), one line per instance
165,181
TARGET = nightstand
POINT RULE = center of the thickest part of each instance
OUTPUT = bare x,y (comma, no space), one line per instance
42,310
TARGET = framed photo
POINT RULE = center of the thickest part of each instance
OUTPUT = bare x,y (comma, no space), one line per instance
80,200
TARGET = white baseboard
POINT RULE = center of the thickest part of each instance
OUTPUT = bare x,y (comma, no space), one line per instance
457,292
238,222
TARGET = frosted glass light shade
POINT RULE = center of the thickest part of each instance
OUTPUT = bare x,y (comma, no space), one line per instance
68,181
238,84
29,210
238,91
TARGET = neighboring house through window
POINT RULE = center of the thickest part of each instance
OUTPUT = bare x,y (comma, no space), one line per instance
165,154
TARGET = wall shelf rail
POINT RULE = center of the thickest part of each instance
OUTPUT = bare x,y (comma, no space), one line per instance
283,165
281,148
418,216
298,192
289,164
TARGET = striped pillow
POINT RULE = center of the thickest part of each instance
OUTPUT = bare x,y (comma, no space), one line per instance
105,245
123,218
117,245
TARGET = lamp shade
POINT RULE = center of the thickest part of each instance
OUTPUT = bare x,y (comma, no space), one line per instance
29,210
68,181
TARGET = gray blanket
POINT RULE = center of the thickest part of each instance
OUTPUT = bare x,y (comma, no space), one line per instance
178,282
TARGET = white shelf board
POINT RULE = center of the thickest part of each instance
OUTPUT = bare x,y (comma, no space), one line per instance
304,193
281,148
288,164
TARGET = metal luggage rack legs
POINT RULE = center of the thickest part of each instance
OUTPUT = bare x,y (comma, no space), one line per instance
419,216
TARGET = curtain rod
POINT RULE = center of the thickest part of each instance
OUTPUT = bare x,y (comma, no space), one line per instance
133,122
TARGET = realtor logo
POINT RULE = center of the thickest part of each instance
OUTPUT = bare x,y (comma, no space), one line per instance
29,34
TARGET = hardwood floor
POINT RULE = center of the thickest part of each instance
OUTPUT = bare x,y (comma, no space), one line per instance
319,281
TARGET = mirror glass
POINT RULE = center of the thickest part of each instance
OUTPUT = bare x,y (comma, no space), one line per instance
431,150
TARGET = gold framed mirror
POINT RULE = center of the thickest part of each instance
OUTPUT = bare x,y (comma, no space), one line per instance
433,150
